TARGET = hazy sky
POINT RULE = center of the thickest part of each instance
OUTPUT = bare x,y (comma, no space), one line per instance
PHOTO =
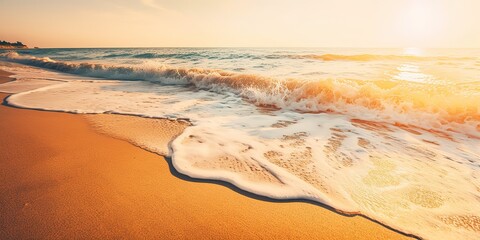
241,23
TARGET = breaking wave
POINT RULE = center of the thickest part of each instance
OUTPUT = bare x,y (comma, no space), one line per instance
439,104
402,152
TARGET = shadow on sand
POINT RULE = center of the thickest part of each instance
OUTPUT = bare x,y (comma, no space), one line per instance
179,175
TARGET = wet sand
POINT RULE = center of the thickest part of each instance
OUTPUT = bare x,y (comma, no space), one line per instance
60,179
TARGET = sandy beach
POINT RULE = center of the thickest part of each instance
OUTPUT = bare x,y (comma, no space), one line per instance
60,179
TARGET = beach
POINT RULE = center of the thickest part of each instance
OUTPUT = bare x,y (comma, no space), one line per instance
62,179
240,119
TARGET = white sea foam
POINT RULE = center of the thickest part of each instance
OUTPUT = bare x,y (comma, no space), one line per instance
440,104
421,181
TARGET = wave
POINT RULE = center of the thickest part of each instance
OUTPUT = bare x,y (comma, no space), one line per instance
320,57
372,57
145,55
328,57
116,55
167,55
441,104
363,57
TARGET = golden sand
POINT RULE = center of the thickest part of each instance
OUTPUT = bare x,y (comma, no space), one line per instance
159,132
4,77
59,179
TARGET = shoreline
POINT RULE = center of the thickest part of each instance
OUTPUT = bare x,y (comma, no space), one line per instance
192,203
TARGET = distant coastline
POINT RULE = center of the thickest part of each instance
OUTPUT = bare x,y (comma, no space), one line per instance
10,45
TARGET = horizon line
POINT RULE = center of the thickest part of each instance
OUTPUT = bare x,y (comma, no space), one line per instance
98,47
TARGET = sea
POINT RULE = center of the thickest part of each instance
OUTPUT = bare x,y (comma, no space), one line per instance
390,134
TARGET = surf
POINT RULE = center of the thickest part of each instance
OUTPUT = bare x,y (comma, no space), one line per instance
361,147
420,104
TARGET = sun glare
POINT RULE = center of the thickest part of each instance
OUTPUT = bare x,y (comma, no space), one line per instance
413,51
420,22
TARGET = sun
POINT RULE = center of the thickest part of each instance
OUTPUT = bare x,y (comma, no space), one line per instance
419,22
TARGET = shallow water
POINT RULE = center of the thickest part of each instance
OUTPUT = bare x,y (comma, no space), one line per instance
391,134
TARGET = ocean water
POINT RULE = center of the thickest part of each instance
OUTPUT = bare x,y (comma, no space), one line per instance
392,134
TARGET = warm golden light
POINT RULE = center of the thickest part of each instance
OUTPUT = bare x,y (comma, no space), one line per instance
420,22
362,107
248,23
412,51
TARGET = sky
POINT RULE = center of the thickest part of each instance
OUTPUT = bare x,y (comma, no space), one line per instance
242,23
